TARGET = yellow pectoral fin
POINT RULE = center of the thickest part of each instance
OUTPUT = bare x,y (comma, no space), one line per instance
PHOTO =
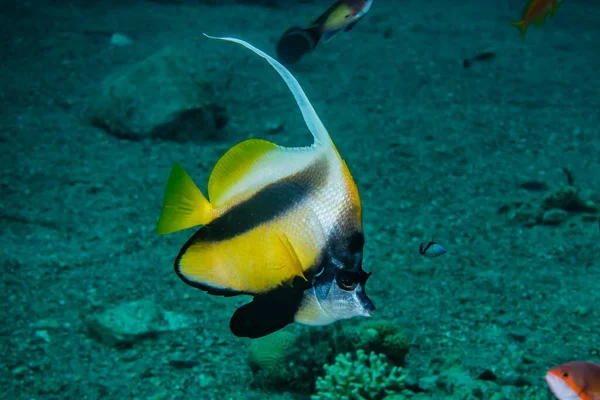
184,205
235,164
290,258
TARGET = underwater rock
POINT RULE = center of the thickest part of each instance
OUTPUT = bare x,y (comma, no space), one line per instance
120,40
274,127
129,323
552,209
570,199
534,186
456,380
527,213
555,216
164,96
182,363
265,3
428,383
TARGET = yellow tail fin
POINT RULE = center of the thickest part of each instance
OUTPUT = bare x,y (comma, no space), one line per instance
184,205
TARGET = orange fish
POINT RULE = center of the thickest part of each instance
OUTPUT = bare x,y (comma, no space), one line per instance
575,380
536,12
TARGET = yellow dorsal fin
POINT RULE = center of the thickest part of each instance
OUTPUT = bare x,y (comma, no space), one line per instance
291,258
352,190
234,165
184,205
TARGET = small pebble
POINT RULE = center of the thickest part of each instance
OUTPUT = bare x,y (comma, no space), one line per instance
183,364
20,370
120,40
554,217
159,396
43,335
428,383
273,127
582,310
205,381
519,336
46,324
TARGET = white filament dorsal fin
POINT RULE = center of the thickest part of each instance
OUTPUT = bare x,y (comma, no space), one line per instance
312,120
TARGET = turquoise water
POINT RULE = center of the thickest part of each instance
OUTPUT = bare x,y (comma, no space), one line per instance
497,162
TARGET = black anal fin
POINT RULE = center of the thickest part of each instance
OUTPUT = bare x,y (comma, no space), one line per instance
267,313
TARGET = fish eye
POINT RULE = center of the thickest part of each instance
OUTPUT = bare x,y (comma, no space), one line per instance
565,374
345,282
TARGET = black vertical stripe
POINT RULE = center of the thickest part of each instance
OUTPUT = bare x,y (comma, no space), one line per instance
266,205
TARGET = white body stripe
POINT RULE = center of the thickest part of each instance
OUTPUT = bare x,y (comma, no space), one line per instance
328,205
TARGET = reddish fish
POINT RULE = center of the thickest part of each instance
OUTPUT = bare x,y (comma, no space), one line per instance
342,16
575,380
536,12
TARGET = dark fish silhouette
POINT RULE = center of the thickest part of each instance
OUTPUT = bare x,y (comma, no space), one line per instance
343,15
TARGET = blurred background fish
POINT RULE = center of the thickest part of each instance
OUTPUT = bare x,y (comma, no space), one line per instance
343,15
576,380
283,225
536,12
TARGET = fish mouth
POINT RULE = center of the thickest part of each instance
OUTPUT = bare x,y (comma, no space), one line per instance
365,301
338,302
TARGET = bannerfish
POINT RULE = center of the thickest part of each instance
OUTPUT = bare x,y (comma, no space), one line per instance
281,224
343,15
575,380
536,12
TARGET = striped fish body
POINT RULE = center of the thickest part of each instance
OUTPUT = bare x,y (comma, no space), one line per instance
277,219
311,203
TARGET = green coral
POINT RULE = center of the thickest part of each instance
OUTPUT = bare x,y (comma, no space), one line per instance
359,377
283,361
293,360
380,336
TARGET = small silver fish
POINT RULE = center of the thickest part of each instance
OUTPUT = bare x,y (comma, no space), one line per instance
431,249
